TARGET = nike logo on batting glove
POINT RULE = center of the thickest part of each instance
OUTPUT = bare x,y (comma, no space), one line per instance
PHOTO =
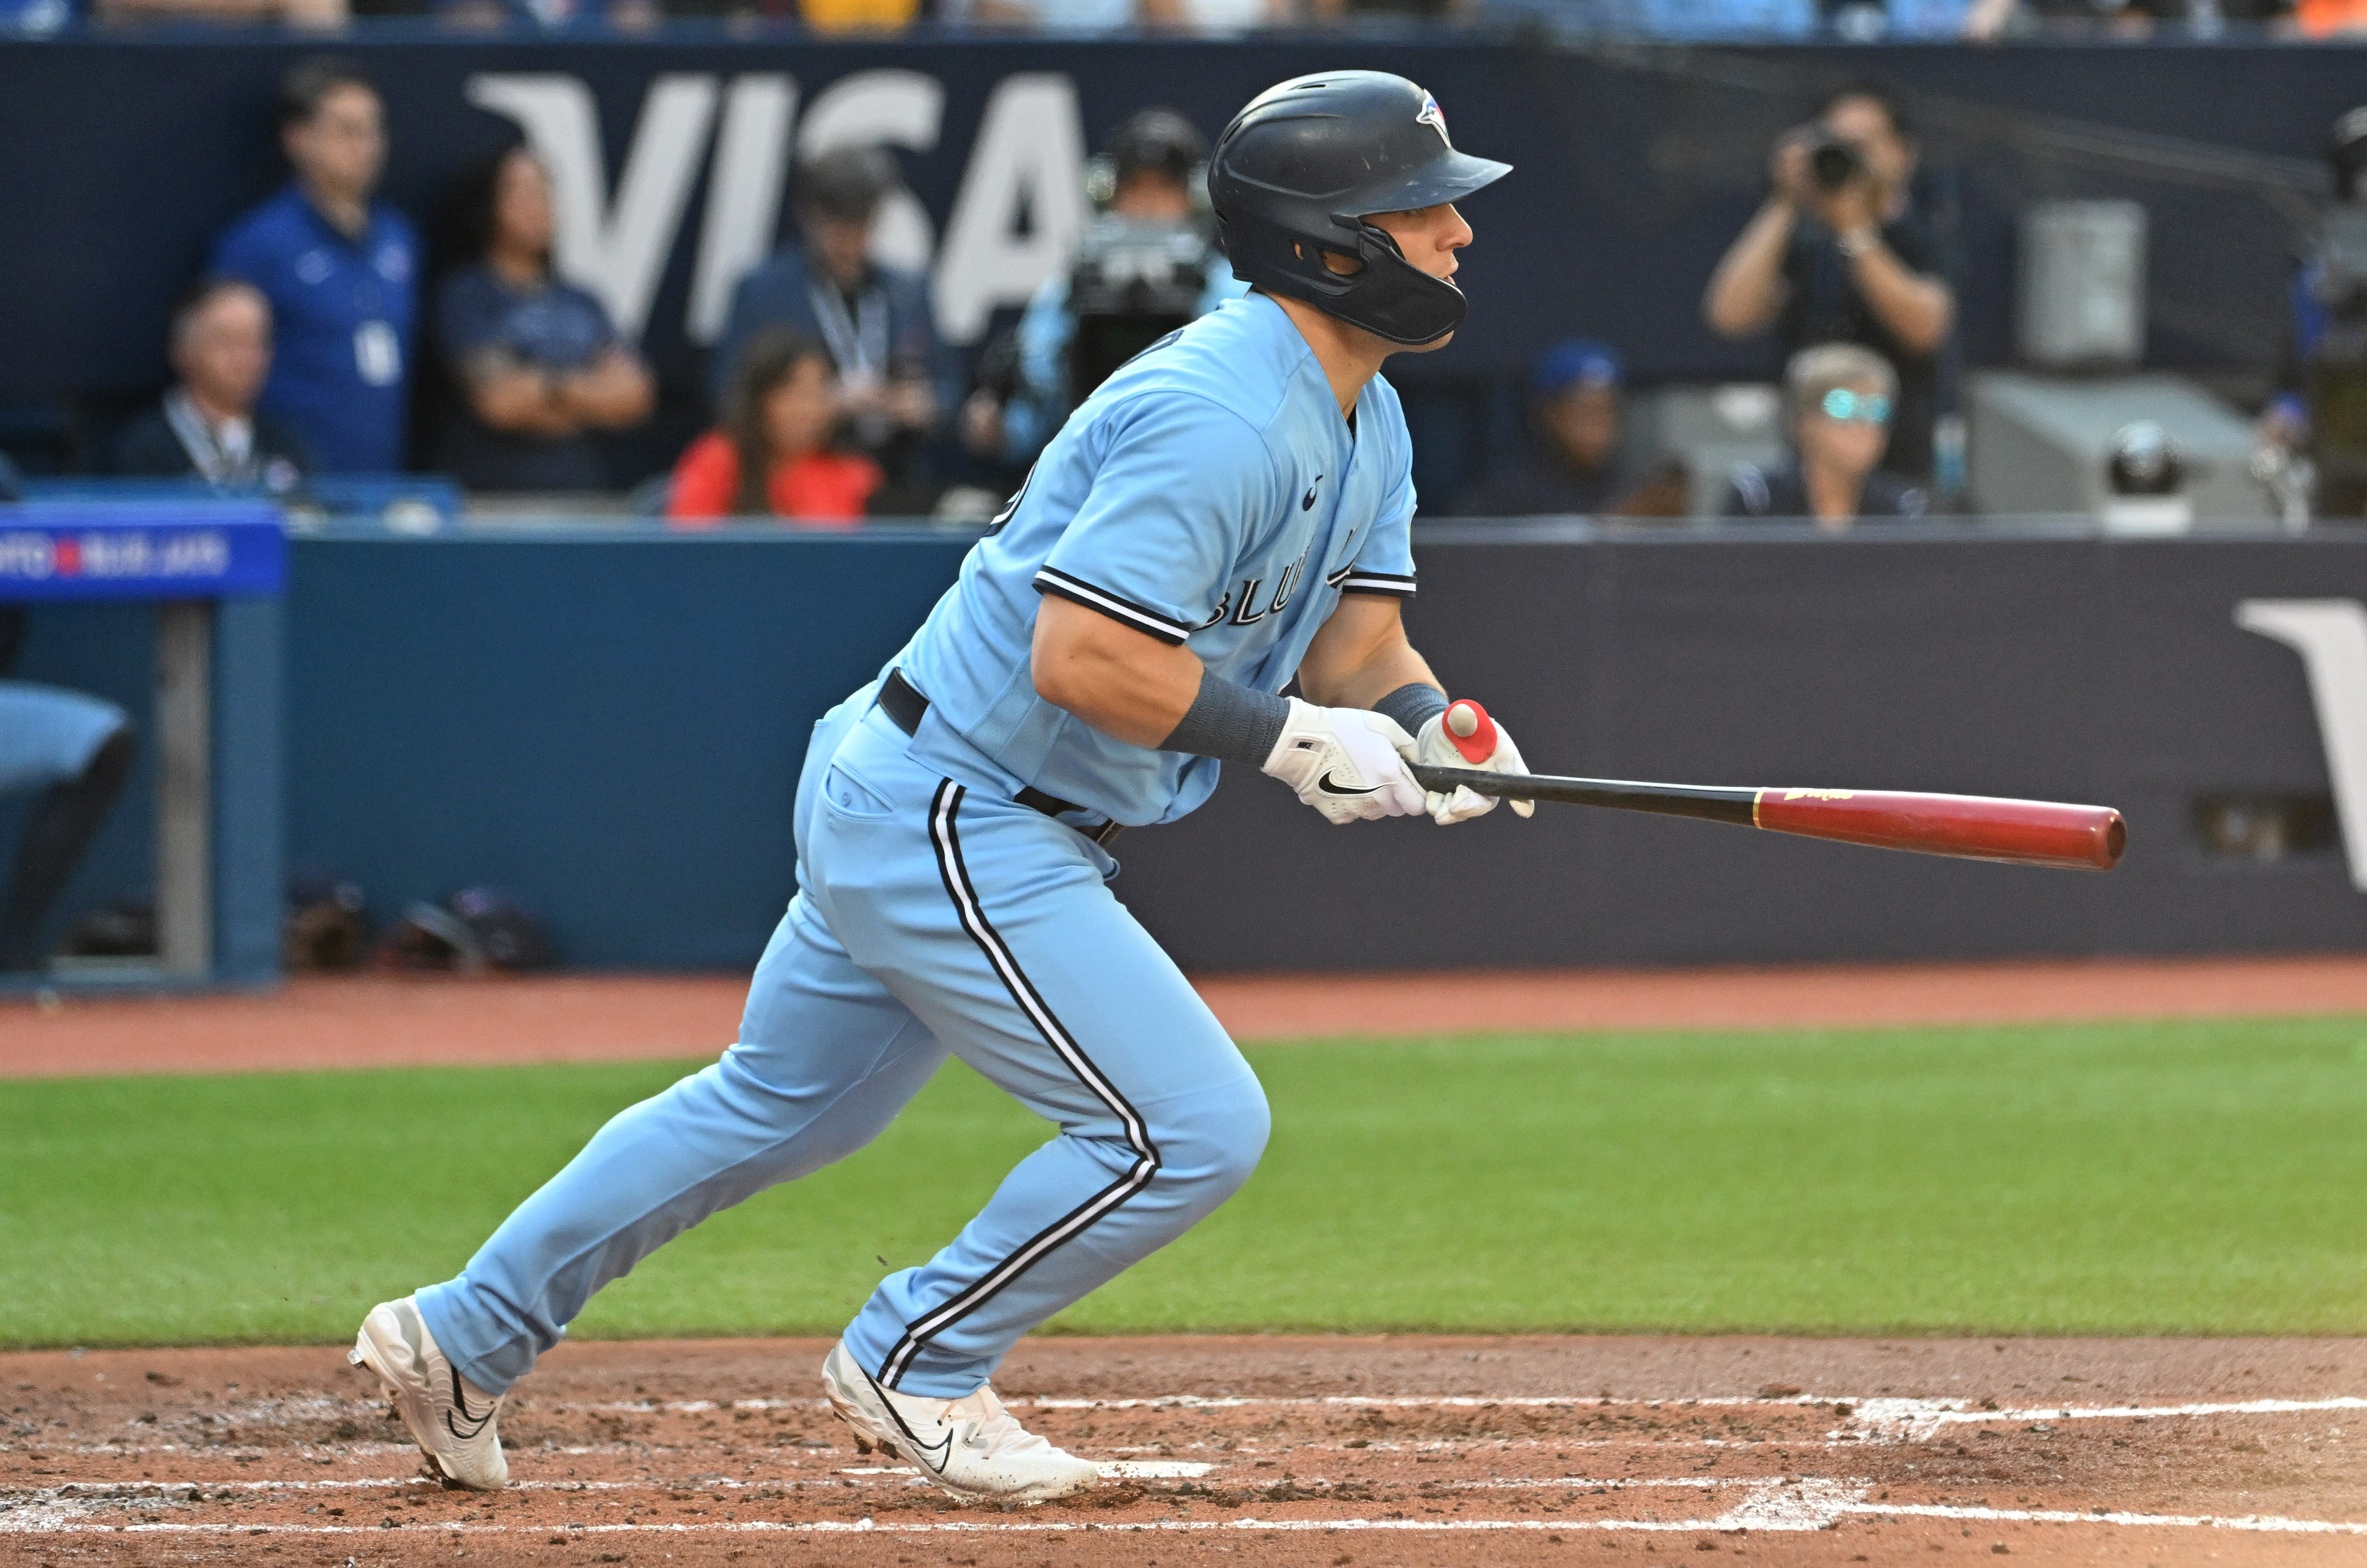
1331,786
1348,763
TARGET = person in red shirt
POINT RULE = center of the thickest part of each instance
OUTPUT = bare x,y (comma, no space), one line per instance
773,456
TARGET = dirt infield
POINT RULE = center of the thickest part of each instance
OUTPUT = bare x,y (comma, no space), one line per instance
1340,1452
375,1021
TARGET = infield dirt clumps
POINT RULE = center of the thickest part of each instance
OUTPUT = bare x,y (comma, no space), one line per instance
1344,1451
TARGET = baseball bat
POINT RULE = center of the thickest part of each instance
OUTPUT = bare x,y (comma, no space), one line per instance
1968,827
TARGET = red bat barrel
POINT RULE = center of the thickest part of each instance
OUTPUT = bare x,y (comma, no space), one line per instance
2024,832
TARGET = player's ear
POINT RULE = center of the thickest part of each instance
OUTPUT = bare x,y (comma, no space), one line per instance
1333,262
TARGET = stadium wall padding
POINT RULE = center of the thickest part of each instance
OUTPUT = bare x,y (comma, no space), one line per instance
611,725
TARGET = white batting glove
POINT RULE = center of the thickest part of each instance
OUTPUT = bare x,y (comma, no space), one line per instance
1436,749
1348,763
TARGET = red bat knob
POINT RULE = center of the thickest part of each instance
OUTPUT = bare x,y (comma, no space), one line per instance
1473,732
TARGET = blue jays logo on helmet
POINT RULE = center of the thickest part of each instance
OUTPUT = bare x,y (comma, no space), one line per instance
1432,115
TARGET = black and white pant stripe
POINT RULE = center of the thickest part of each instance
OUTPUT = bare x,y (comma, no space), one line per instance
944,836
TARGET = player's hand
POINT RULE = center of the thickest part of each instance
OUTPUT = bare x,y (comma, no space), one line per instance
1348,763
1436,748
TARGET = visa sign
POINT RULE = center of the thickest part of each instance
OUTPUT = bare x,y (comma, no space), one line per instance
746,134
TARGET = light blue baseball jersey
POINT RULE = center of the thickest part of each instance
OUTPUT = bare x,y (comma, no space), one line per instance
1208,494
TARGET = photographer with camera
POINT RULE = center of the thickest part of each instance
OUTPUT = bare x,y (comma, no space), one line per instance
1143,268
1840,254
874,319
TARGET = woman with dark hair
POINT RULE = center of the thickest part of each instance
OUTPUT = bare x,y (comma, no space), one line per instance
536,365
774,454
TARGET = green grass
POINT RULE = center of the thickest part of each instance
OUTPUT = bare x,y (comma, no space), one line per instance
2197,1177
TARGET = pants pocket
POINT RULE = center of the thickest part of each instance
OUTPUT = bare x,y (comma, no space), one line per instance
845,797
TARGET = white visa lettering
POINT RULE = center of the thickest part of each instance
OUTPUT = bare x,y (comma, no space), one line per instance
1028,158
2331,634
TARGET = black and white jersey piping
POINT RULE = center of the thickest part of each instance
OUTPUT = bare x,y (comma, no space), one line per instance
1050,580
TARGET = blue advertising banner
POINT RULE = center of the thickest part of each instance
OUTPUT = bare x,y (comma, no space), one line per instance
63,551
672,161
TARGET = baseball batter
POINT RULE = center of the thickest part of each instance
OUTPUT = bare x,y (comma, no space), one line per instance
1228,512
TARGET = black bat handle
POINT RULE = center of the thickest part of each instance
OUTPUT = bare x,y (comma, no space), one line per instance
1710,802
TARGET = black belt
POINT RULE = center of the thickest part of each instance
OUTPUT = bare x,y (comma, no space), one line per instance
902,702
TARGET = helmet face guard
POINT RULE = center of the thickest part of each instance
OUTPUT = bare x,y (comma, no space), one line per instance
1300,171
1387,296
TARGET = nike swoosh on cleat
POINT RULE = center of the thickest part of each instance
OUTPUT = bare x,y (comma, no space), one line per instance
1328,787
459,1412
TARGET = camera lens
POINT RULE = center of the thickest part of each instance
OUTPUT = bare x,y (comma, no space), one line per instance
1833,163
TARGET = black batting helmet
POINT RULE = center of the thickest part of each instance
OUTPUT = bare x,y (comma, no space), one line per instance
1300,168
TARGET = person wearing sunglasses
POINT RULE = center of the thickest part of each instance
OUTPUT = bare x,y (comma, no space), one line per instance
1840,399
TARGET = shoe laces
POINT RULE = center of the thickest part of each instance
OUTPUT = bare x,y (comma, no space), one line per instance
991,1427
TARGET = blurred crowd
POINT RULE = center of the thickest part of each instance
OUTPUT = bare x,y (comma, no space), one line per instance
1855,20
328,336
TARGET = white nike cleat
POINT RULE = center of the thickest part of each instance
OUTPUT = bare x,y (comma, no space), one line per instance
971,1447
450,1418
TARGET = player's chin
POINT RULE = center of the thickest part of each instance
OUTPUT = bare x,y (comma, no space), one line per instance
1433,346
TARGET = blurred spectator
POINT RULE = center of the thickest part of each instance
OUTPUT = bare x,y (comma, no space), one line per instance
1217,16
208,428
772,456
536,363
1838,397
1431,10
1144,182
874,319
75,750
1838,253
2330,19
319,14
2326,337
339,271
1577,469
850,15
35,19
493,16
1052,15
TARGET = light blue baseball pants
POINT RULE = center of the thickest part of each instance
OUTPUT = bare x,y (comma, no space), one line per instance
934,916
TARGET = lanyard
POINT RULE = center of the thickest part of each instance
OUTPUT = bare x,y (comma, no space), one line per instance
859,344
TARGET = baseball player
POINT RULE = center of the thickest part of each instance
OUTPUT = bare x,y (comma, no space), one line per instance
1228,512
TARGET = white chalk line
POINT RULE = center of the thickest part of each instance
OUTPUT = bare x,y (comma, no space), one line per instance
2065,1516
1778,1503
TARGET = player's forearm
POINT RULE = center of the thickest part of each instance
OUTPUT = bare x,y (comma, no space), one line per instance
1360,654
1362,686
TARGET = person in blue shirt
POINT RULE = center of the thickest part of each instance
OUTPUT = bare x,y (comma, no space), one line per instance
1228,512
1142,182
874,319
340,271
535,365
